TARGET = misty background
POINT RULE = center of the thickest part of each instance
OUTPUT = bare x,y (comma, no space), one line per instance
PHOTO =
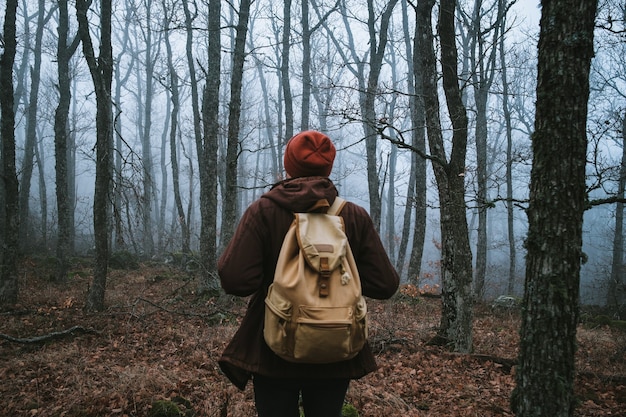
155,70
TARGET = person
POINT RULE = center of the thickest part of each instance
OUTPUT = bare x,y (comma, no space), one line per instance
246,268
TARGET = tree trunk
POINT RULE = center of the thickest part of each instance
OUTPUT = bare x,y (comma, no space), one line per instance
483,61
284,69
148,180
61,120
545,376
31,133
456,257
506,111
211,128
368,107
122,74
102,76
616,296
230,209
416,193
306,67
43,192
9,254
207,255
175,98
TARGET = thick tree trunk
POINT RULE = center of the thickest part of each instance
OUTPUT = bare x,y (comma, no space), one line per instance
9,253
545,377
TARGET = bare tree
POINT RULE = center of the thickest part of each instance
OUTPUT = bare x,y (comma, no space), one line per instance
545,378
183,221
210,111
367,85
9,285
456,257
101,69
368,106
616,290
122,72
506,112
483,40
229,205
65,51
208,256
416,190
151,54
284,69
31,128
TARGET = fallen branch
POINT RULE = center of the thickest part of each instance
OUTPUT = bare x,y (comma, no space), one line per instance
181,313
49,336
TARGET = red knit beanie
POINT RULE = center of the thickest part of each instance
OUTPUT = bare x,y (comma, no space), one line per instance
309,153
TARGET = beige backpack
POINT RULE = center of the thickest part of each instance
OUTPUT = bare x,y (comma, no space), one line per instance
314,310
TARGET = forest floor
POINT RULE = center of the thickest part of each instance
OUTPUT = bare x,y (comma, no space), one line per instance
157,340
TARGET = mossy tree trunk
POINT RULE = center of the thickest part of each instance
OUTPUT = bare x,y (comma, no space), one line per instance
545,377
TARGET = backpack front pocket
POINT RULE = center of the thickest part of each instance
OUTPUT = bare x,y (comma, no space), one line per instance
323,334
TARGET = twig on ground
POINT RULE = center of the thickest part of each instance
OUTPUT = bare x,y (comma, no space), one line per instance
49,336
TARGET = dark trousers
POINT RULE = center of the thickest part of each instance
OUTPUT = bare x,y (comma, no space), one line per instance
276,397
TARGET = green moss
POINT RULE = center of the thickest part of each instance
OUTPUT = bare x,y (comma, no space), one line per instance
348,410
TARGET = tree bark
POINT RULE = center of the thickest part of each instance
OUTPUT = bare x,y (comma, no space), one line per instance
416,192
101,70
545,377
175,99
31,132
9,285
456,257
506,111
148,179
211,130
61,138
230,209
616,295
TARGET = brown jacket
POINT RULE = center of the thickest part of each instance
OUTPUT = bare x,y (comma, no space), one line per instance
247,268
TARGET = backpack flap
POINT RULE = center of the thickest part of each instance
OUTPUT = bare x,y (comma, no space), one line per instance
323,244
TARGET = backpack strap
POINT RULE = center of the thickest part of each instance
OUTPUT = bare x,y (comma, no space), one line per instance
337,206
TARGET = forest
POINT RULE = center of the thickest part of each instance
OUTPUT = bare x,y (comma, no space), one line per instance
485,138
